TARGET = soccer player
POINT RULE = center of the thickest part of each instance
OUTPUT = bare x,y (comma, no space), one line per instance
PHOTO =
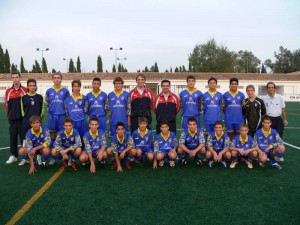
269,142
96,100
75,106
191,143
94,145
118,106
253,109
233,100
141,102
165,146
190,102
218,145
67,144
243,146
212,105
143,141
122,148
37,142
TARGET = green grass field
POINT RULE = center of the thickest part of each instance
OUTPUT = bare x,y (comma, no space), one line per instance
181,195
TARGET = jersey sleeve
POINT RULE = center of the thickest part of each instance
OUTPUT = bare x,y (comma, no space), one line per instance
28,141
209,141
182,138
47,100
47,139
130,141
58,143
107,106
114,145
156,146
227,142
77,142
201,137
103,140
128,105
87,145
174,142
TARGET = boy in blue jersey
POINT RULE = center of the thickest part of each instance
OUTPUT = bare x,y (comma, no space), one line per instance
54,101
212,104
94,145
191,143
190,102
218,145
165,146
233,102
96,100
143,141
37,142
118,106
269,142
122,148
75,107
67,144
244,147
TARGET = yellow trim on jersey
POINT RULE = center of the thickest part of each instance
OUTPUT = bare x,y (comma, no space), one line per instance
57,90
167,137
121,140
71,133
212,94
38,133
233,93
77,98
191,133
266,133
94,135
118,94
96,94
140,133
243,141
191,92
219,137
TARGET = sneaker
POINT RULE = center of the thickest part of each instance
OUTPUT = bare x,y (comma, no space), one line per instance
161,163
83,164
276,166
210,163
65,164
70,162
11,159
199,162
74,166
52,162
233,164
224,164
44,163
183,161
205,160
249,164
127,164
262,165
281,159
172,163
23,162
39,160
114,165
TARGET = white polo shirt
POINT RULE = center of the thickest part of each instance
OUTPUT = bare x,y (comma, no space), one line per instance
274,105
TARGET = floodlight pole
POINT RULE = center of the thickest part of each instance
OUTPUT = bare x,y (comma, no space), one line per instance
42,50
67,64
116,54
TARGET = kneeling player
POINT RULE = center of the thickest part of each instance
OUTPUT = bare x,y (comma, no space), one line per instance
143,141
269,142
191,143
218,145
67,144
37,142
94,145
122,148
243,146
165,146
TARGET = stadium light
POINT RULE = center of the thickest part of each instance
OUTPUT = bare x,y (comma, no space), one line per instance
67,64
116,54
42,50
121,60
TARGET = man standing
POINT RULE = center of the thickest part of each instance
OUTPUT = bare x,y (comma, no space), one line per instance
13,107
253,110
166,106
141,102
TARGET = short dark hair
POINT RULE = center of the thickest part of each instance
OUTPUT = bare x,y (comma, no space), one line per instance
165,81
250,86
35,118
190,77
219,122
76,82
118,79
97,79
57,73
233,79
244,125
266,118
142,119
16,73
270,82
120,124
93,119
140,75
68,120
192,119
30,80
164,122
212,78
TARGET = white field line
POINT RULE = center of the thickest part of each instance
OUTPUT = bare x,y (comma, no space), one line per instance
293,146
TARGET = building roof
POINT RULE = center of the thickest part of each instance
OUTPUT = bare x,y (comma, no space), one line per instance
151,76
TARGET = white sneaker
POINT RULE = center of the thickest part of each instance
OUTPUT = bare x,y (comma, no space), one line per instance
39,160
11,159
249,164
52,162
281,159
70,162
161,163
23,162
233,164
262,164
224,164
172,163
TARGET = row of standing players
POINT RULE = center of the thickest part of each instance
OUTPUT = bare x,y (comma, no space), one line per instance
127,108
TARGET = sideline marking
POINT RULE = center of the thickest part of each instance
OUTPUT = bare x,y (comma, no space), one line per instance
8,147
293,146
34,198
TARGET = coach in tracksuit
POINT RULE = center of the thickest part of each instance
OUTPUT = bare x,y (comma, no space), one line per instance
166,106
13,107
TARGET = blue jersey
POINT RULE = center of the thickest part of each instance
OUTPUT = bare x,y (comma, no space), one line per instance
96,104
55,99
64,140
190,102
118,145
212,106
233,107
118,105
265,139
93,143
36,139
144,142
246,144
165,145
191,141
218,143
75,108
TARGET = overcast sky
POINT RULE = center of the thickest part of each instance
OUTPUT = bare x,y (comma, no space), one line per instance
164,31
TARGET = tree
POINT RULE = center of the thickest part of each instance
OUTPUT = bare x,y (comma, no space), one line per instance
1,60
167,71
183,69
36,68
171,71
180,69
120,68
44,66
146,69
53,71
138,71
263,69
99,64
247,62
176,70
156,67
78,65
190,67
14,68
71,66
6,62
22,67
296,60
114,69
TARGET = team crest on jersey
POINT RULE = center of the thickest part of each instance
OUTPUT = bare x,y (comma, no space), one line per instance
271,138
238,97
247,146
217,98
170,140
146,138
98,139
42,136
122,98
72,138
80,102
196,95
61,93
101,98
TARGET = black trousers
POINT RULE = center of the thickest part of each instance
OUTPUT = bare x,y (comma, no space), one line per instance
172,126
277,124
135,123
15,130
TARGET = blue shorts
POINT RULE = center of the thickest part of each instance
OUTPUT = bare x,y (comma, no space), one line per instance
209,127
145,151
56,122
38,152
81,126
231,127
184,123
